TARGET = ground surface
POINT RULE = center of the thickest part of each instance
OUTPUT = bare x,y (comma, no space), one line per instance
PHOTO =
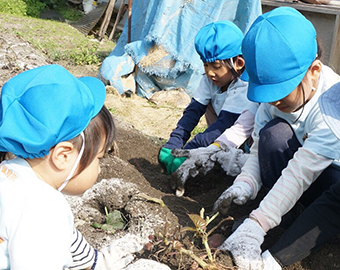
142,127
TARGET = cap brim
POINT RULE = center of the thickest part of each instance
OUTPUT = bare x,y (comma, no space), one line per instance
329,103
98,91
265,93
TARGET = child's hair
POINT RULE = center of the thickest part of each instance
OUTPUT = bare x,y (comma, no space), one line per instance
101,126
230,65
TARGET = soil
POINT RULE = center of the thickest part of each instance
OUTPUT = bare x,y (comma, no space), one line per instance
133,172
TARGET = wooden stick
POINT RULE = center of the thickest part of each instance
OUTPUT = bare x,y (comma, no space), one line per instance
106,19
121,11
129,20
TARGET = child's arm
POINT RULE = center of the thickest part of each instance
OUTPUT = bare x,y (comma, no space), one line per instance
301,172
83,254
246,185
225,120
180,136
236,135
191,116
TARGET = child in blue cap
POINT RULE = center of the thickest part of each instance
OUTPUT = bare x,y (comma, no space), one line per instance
58,128
294,150
221,95
319,222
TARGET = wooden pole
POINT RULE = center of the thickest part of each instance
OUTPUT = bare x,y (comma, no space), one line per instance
106,19
129,20
122,9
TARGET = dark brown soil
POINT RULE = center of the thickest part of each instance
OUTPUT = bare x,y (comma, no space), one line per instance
141,154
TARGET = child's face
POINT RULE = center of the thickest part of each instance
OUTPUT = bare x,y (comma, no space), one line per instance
218,72
86,179
292,102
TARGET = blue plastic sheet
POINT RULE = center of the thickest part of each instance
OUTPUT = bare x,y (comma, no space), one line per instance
171,25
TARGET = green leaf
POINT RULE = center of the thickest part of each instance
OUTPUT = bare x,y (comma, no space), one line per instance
115,220
96,225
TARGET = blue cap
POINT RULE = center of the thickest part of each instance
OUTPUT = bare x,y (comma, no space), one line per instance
44,106
218,41
278,49
329,103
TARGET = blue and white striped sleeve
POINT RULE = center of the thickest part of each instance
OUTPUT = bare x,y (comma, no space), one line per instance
83,254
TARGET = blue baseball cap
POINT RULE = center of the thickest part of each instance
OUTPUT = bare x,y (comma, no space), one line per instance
329,103
44,106
218,41
278,49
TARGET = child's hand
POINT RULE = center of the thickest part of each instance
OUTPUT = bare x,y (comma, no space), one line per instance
245,245
197,160
231,159
168,161
119,253
165,159
239,193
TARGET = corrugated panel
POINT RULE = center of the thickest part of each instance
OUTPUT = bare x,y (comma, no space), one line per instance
89,20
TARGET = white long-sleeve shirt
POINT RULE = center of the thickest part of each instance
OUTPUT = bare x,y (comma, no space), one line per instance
236,135
319,148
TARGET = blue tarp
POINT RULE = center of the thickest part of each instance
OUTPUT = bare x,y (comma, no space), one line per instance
171,25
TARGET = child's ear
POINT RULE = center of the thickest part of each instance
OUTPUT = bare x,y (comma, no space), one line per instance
315,69
239,63
62,154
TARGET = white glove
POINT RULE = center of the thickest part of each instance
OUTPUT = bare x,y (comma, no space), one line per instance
240,192
245,245
144,264
119,253
269,262
231,159
198,161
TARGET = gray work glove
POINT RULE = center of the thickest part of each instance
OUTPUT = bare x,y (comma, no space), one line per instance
119,253
198,161
231,159
245,245
240,192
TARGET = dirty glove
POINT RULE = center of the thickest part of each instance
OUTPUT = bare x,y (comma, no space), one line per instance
231,159
165,159
197,160
168,161
119,253
245,245
239,193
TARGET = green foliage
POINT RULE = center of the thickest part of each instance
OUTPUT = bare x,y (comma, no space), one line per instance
113,110
85,56
14,7
114,221
70,13
34,8
58,40
197,130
